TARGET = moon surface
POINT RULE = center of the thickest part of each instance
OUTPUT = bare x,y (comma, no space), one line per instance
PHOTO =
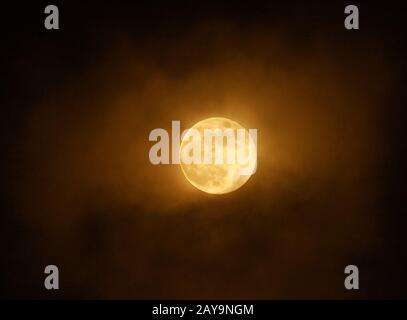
215,178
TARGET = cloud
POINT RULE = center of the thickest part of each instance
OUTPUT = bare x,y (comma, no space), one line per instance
122,227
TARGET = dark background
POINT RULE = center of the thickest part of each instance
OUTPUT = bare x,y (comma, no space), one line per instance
288,234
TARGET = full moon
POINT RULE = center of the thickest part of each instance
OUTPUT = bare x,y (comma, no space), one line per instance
216,178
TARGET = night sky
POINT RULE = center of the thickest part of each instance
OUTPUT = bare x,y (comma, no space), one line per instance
78,190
